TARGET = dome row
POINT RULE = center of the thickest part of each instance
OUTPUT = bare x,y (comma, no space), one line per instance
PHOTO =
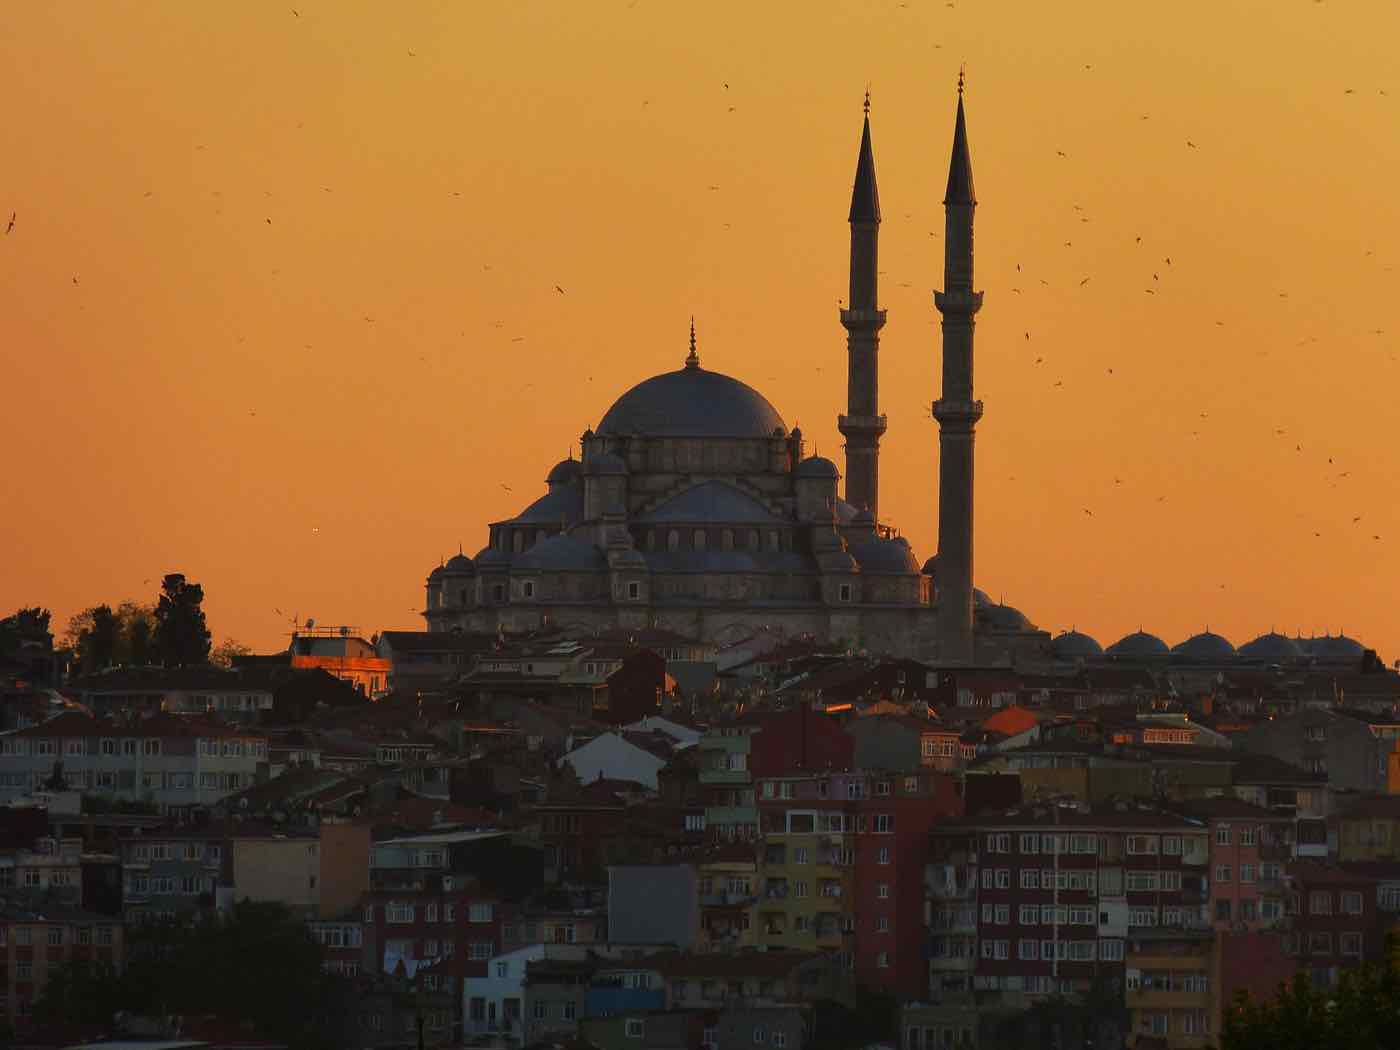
1209,648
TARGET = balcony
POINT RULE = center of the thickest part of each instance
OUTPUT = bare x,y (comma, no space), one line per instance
724,776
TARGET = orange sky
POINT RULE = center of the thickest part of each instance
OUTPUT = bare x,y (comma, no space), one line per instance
305,413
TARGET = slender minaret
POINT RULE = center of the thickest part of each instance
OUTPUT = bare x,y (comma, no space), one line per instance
862,424
956,411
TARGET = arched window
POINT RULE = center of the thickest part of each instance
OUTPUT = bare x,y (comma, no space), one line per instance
699,539
726,540
673,540
651,539
773,540
753,540
517,541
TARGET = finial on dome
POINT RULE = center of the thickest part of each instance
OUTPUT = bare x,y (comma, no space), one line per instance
692,359
867,100
962,76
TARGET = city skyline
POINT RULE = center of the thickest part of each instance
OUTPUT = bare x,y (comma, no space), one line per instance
395,329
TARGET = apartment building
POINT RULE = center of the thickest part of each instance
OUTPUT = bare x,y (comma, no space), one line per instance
1041,899
33,942
171,761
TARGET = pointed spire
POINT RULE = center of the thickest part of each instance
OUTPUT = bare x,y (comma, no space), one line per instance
692,359
865,197
960,189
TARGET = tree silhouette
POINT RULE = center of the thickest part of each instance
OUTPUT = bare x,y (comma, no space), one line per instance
182,637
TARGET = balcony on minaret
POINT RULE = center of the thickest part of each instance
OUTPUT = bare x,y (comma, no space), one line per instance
852,425
954,411
958,301
863,318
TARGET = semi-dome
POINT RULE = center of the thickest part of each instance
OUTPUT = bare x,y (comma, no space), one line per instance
931,566
1139,645
565,471
561,553
692,402
1334,649
817,467
459,563
1073,645
605,463
877,555
1204,648
1271,648
564,503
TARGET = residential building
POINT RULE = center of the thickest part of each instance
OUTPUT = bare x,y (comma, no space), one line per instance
341,652
618,756
1170,988
33,942
170,761
1331,919
726,785
729,882
1249,847
1369,829
653,904
1346,746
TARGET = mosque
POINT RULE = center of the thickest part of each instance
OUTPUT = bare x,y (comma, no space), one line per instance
694,508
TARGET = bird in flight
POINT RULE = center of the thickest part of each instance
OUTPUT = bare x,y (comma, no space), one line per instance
1061,153
558,289
1088,512
1083,282
505,486
1191,144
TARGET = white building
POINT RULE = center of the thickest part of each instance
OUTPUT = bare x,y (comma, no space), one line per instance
612,757
165,759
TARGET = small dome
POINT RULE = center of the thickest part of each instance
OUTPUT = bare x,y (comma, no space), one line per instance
877,555
605,463
980,598
845,513
864,517
931,566
436,574
1072,645
490,557
818,467
562,553
1139,645
459,563
1003,618
564,472
1271,648
1335,649
1204,648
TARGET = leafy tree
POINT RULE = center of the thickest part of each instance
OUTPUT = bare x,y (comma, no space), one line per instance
80,992
1362,1011
225,652
182,637
28,625
97,639
140,642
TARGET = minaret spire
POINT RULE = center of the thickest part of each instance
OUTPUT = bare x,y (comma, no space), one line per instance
956,410
862,425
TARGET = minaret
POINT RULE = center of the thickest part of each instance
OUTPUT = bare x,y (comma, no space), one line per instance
956,411
862,425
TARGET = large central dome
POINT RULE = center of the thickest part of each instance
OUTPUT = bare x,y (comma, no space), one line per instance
692,402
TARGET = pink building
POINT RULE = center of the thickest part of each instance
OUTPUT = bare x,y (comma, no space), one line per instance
1246,857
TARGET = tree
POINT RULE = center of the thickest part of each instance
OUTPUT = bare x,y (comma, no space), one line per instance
97,641
139,641
225,652
24,626
80,992
1362,1011
182,637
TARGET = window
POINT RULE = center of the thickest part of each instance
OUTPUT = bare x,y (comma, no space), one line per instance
1142,844
634,591
882,960
883,891
1111,951
432,913
1222,910
1028,914
1320,943
760,1035
527,589
1249,910
569,1011
1028,949
1030,842
480,913
1350,943
1030,878
1223,873
884,823
845,592
1222,835
398,912
884,855
1249,836
1351,904
1171,845
1142,881
479,950
780,1040
1003,878
636,1028
539,1012
1320,902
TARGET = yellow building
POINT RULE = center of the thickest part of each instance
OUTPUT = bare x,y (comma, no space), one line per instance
728,880
285,868
1369,829
1170,988
808,867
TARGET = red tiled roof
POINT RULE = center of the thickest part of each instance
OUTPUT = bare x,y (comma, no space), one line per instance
75,724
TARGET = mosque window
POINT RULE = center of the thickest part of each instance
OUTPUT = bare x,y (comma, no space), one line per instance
845,592
753,540
727,539
699,539
528,588
498,592
773,542
673,540
651,539
518,541
634,591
